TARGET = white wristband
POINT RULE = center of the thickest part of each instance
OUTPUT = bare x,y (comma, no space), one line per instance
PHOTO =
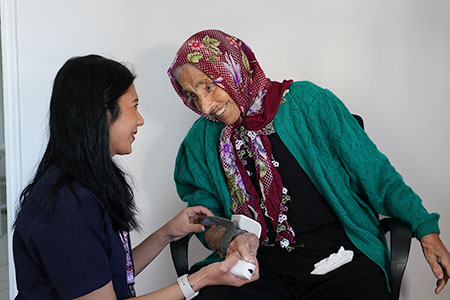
186,287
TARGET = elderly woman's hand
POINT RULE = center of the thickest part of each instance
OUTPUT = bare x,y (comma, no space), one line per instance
246,244
187,221
438,258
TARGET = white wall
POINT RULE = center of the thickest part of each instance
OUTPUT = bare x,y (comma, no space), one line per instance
2,133
389,61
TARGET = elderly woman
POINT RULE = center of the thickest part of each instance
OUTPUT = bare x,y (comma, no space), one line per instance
290,156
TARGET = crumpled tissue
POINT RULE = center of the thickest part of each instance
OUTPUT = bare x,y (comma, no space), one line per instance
332,262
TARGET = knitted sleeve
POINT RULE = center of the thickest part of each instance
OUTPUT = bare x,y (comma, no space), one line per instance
198,175
370,173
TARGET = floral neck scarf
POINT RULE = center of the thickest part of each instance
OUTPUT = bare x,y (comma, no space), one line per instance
232,65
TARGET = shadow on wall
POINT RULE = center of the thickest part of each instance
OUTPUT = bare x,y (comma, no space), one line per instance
152,163
167,121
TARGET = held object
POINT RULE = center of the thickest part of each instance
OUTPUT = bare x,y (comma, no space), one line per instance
242,268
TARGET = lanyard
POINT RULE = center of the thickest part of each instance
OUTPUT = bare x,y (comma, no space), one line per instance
130,272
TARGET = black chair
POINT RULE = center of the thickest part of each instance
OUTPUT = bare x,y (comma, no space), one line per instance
400,243
400,235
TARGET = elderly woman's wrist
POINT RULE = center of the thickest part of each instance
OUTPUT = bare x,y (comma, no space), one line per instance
238,232
215,243
213,239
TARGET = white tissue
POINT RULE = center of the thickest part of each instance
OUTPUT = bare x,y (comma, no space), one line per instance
332,262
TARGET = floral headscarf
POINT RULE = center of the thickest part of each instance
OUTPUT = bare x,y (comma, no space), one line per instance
232,65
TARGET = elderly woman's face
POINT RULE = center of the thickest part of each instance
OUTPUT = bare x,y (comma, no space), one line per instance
208,97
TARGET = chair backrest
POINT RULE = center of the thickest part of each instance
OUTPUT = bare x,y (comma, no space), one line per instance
360,120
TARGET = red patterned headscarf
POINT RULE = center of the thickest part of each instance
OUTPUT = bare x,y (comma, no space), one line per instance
232,65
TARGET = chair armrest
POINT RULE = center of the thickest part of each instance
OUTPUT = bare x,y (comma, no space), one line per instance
400,245
179,251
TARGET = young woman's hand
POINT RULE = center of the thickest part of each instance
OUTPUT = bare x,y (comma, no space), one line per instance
185,222
219,274
213,274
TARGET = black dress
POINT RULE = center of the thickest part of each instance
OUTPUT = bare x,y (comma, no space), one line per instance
318,233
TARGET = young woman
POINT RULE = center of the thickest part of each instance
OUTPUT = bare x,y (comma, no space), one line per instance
71,238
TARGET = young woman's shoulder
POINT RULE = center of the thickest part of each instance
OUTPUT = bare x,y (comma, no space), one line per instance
70,205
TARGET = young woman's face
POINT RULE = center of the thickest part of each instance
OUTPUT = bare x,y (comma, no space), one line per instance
208,97
124,128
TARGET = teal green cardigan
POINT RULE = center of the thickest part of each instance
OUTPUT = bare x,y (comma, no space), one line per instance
338,156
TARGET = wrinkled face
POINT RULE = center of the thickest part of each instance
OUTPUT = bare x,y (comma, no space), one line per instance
124,128
207,96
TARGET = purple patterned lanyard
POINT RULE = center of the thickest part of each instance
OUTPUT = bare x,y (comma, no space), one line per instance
130,272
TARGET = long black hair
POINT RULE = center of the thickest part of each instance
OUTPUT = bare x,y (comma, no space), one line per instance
84,90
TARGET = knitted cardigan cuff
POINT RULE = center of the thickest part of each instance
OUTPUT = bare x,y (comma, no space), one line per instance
429,226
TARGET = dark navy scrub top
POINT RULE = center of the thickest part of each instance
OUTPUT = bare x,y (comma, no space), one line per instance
70,252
